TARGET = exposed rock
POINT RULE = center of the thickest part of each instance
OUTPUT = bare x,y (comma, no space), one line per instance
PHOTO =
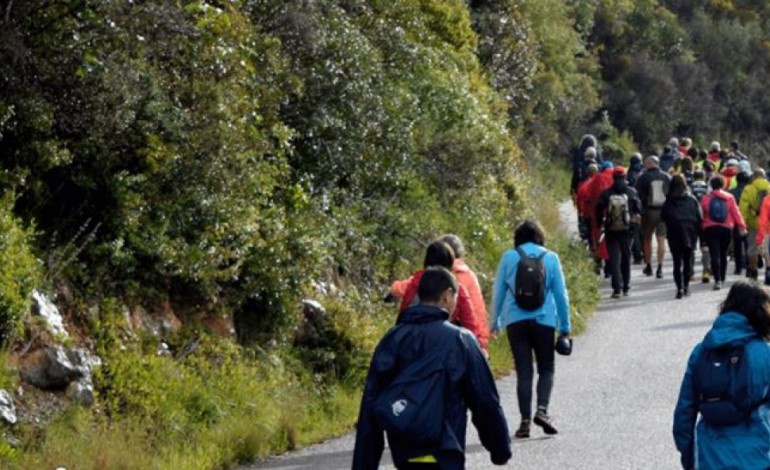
7,408
55,367
162,323
46,309
311,329
81,392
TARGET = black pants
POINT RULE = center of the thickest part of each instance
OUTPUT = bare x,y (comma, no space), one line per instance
619,249
636,242
718,240
525,337
683,263
740,247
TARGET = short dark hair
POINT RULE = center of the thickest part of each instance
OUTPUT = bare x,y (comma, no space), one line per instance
752,301
438,253
455,243
529,231
434,282
717,181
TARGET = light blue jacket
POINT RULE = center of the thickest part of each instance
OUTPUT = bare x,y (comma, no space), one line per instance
555,309
744,446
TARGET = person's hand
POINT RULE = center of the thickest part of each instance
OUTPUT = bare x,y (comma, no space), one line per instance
743,232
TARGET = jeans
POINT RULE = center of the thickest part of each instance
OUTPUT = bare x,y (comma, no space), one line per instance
525,337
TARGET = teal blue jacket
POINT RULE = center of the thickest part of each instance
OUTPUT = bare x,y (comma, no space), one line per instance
746,445
555,309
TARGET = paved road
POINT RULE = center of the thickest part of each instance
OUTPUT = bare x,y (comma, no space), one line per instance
613,398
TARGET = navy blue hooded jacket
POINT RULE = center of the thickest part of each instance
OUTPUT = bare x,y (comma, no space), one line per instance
421,330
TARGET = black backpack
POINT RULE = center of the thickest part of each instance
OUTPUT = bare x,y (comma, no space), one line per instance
720,378
529,291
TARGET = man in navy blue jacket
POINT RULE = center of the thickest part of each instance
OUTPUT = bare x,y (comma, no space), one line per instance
424,331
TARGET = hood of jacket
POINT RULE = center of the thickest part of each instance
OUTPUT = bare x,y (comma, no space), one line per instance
619,185
729,328
422,314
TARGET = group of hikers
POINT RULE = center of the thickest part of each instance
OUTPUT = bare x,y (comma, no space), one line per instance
432,367
684,196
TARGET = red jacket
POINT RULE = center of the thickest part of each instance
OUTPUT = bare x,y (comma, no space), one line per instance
734,217
763,221
594,190
463,313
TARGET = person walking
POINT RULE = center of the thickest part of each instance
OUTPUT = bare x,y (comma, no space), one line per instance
682,216
740,243
720,215
425,341
700,188
531,329
652,187
622,207
742,329
751,203
439,253
635,168
467,278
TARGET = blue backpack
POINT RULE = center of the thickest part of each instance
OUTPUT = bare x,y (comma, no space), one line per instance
717,209
411,407
721,380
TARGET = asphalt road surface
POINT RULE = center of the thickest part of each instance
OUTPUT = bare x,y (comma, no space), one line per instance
613,399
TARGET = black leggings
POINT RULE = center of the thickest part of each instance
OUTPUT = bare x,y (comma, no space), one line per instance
683,258
525,337
718,239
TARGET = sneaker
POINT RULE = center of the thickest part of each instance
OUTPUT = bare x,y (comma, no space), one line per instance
648,270
679,294
615,294
523,431
706,277
638,261
625,292
686,292
659,272
544,421
717,285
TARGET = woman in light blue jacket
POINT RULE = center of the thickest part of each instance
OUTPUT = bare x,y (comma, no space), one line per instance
531,330
744,318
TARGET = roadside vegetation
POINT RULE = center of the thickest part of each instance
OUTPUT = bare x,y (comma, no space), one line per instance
217,163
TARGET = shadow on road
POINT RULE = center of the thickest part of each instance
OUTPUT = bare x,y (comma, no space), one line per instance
702,324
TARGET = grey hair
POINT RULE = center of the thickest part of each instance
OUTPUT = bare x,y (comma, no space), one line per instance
455,243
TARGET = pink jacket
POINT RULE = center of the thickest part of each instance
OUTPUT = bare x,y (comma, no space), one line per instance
734,217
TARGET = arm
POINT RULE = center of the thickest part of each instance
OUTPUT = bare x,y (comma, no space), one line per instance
560,295
737,217
685,415
467,318
480,393
500,291
398,288
763,224
370,439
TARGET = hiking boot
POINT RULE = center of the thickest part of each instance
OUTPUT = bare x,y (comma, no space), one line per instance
659,272
679,293
717,285
615,294
686,292
523,431
625,292
706,278
638,260
544,421
752,273
648,270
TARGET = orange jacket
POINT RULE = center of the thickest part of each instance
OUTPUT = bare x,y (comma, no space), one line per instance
763,221
468,279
